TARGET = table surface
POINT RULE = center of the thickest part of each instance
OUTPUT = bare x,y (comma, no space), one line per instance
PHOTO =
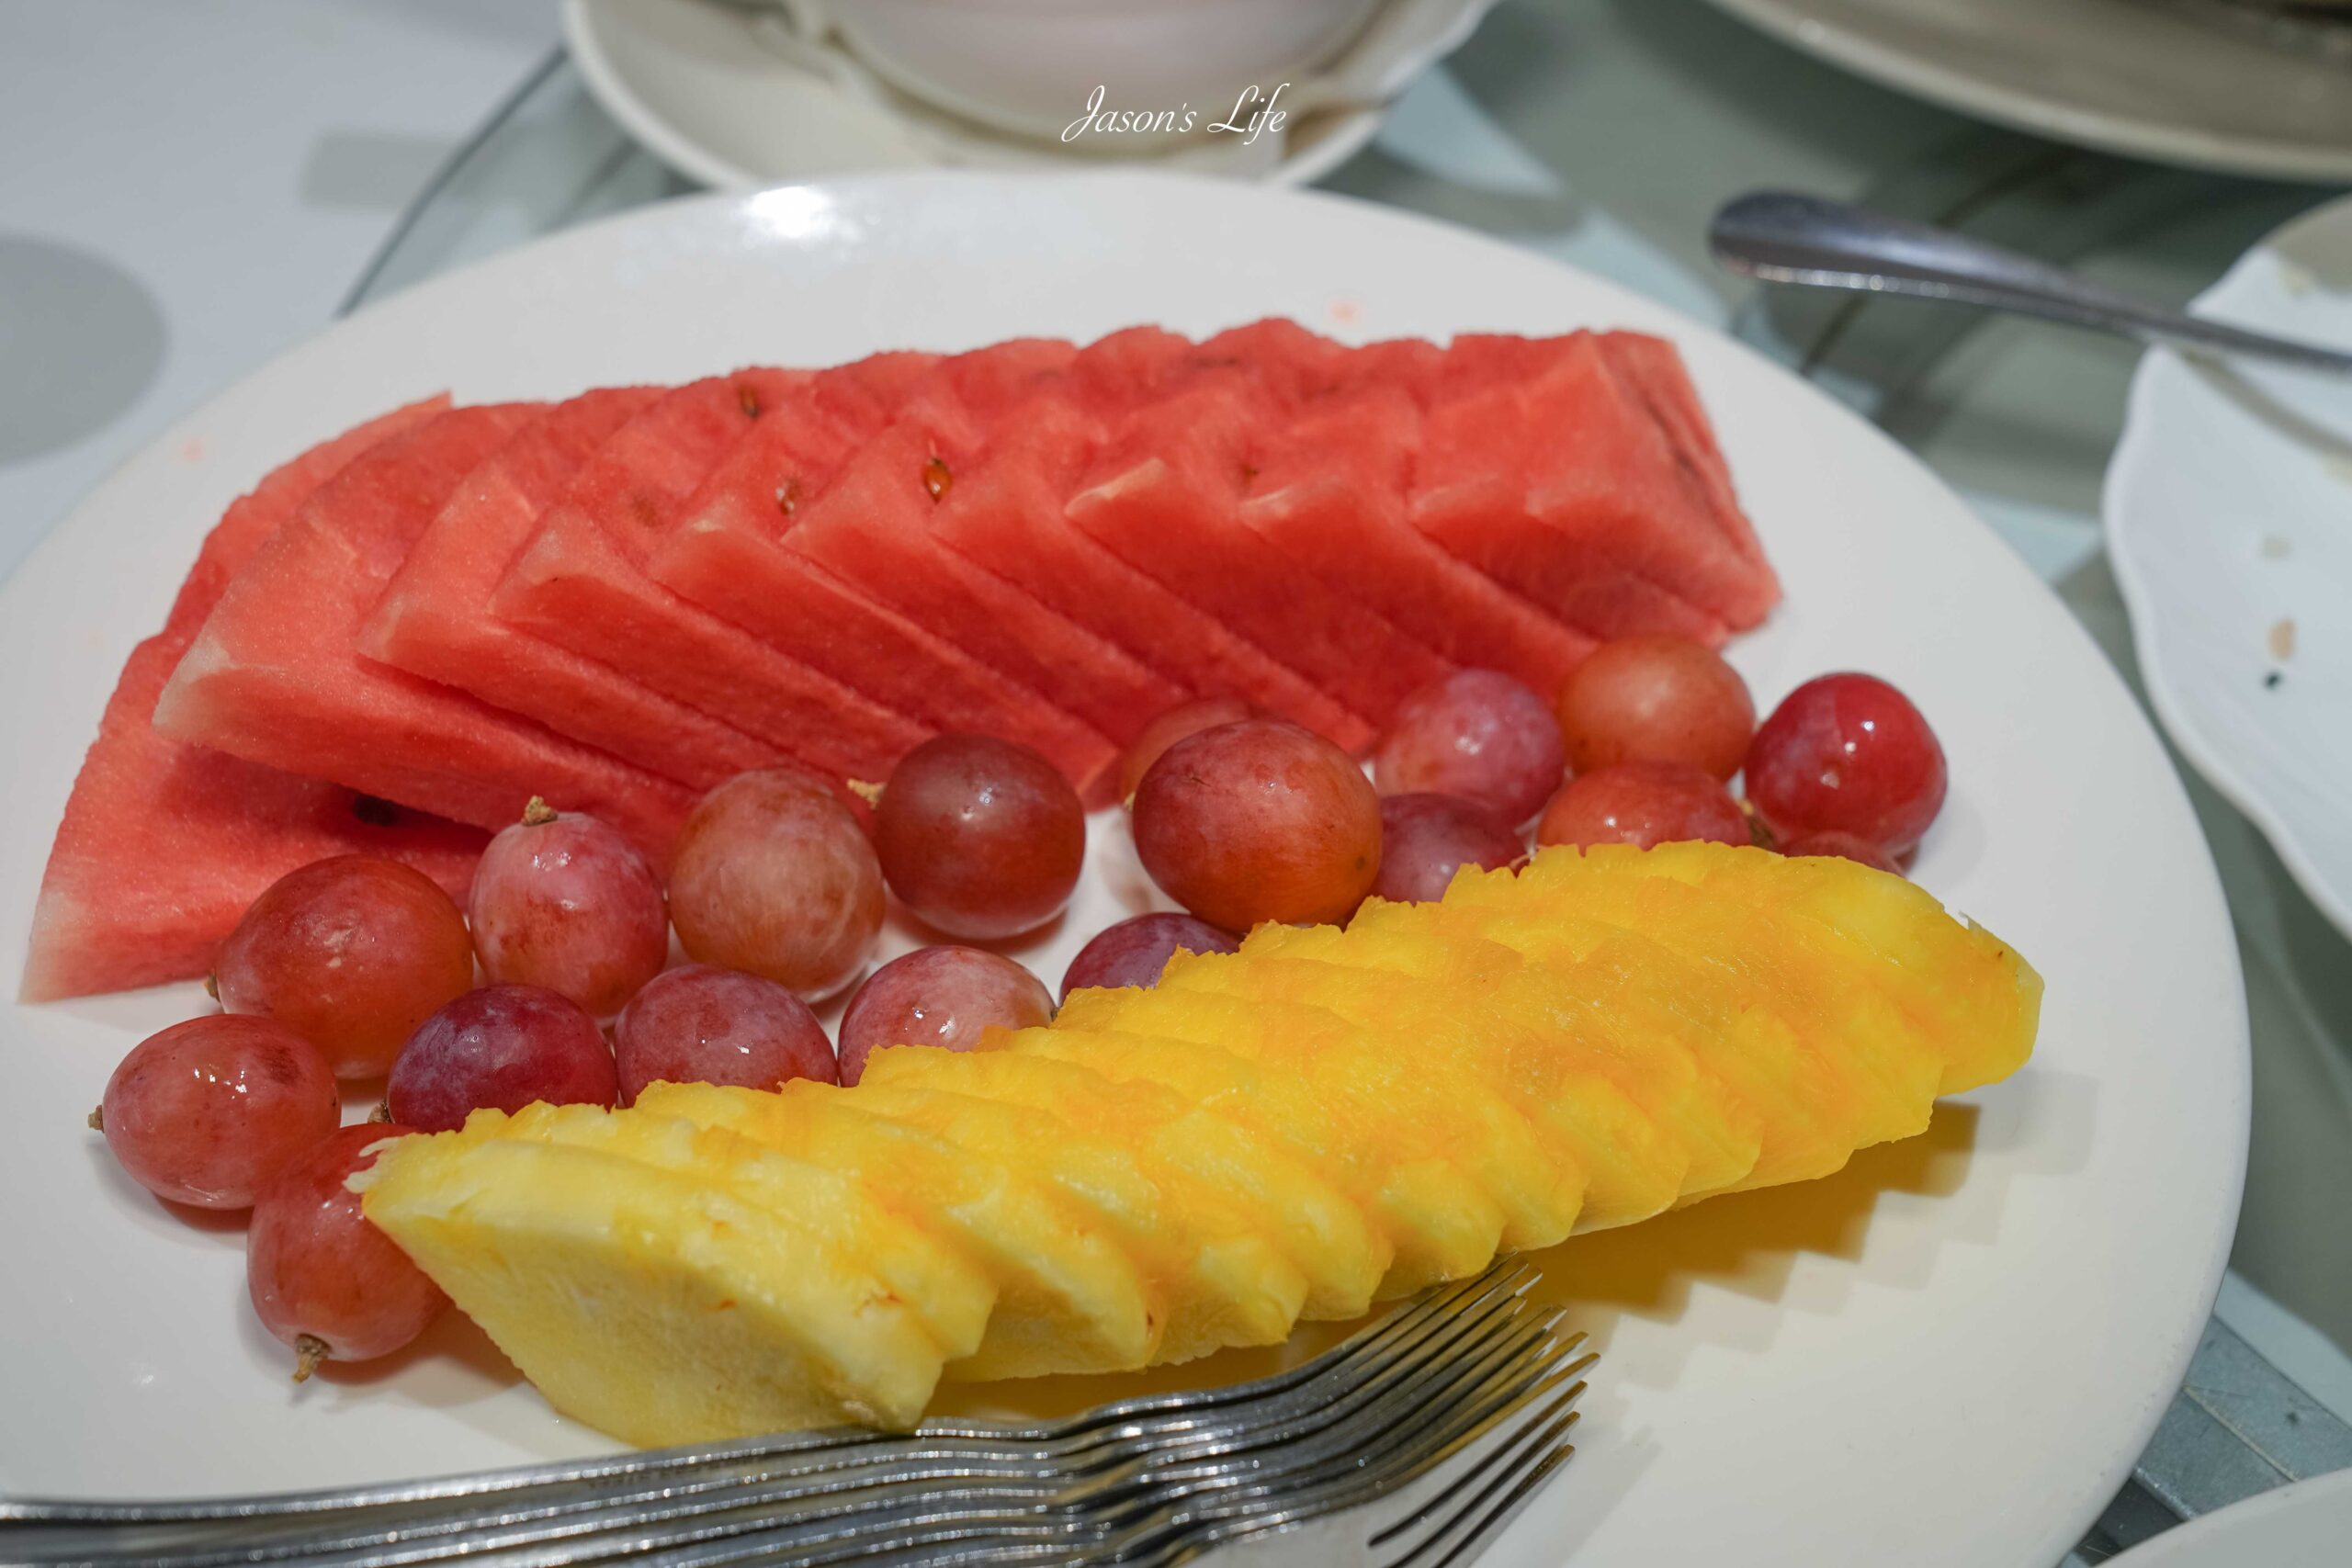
1603,133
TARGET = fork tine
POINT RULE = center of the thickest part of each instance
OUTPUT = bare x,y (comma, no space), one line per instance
1505,1457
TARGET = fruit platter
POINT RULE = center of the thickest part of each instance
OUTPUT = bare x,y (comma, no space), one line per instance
735,829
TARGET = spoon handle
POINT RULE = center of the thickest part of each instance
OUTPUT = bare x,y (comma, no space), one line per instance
1784,238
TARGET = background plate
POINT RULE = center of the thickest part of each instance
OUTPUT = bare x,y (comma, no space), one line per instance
2178,81
1998,1310
2226,521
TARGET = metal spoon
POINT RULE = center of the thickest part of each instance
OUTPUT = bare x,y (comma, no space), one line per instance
1783,238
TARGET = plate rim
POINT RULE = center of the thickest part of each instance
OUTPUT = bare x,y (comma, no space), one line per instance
1981,98
2090,1492
2117,501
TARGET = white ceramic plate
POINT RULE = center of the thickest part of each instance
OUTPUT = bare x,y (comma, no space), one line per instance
2308,1522
2230,526
1997,1311
728,94
2132,76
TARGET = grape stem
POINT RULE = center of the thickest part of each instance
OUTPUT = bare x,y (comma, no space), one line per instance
98,1120
538,813
309,1353
869,792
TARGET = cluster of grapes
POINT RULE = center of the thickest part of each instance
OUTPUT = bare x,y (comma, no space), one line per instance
359,968
1243,819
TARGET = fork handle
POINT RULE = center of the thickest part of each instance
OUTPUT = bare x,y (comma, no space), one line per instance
1784,238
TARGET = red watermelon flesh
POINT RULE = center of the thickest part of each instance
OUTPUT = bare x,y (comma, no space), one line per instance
1010,519
433,618
276,675
1633,380
1165,497
1658,376
1589,465
790,601
164,844
578,583
871,524
1334,503
1292,364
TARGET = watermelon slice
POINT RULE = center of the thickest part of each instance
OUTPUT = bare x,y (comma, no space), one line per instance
1654,370
164,844
583,582
1550,479
869,523
433,618
1010,518
1165,497
1333,500
276,675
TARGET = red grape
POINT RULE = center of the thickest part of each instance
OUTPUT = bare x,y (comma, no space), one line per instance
1135,951
981,838
1644,804
321,1278
939,996
1657,699
500,1048
1477,734
774,876
699,1024
1847,752
351,953
1259,820
1425,838
206,1112
1844,846
562,900
1171,725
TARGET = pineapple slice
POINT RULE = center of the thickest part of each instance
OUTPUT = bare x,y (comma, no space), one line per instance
1068,1299
1539,1188
1318,1228
1441,1223
653,1305
1216,1275
1803,1098
1636,1163
1891,1067
1979,1000
1491,990
951,1295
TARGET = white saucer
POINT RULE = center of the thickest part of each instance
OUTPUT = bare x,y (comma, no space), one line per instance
2307,1522
2194,81
731,94
2226,523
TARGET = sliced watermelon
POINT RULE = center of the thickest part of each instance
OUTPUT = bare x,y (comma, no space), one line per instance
1654,369
276,675
433,620
1165,497
163,844
584,580
1010,518
1333,500
869,520
578,583
1553,420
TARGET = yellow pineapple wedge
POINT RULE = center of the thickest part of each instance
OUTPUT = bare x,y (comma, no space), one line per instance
1435,1216
1068,1300
1215,1277
1317,1227
1539,1188
655,1305
1325,1117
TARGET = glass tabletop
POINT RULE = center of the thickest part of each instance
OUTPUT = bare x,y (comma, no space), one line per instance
1604,133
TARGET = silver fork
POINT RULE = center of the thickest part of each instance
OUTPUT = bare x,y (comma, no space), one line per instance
1160,1475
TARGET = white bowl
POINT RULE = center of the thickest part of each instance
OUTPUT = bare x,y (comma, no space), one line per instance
1035,67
